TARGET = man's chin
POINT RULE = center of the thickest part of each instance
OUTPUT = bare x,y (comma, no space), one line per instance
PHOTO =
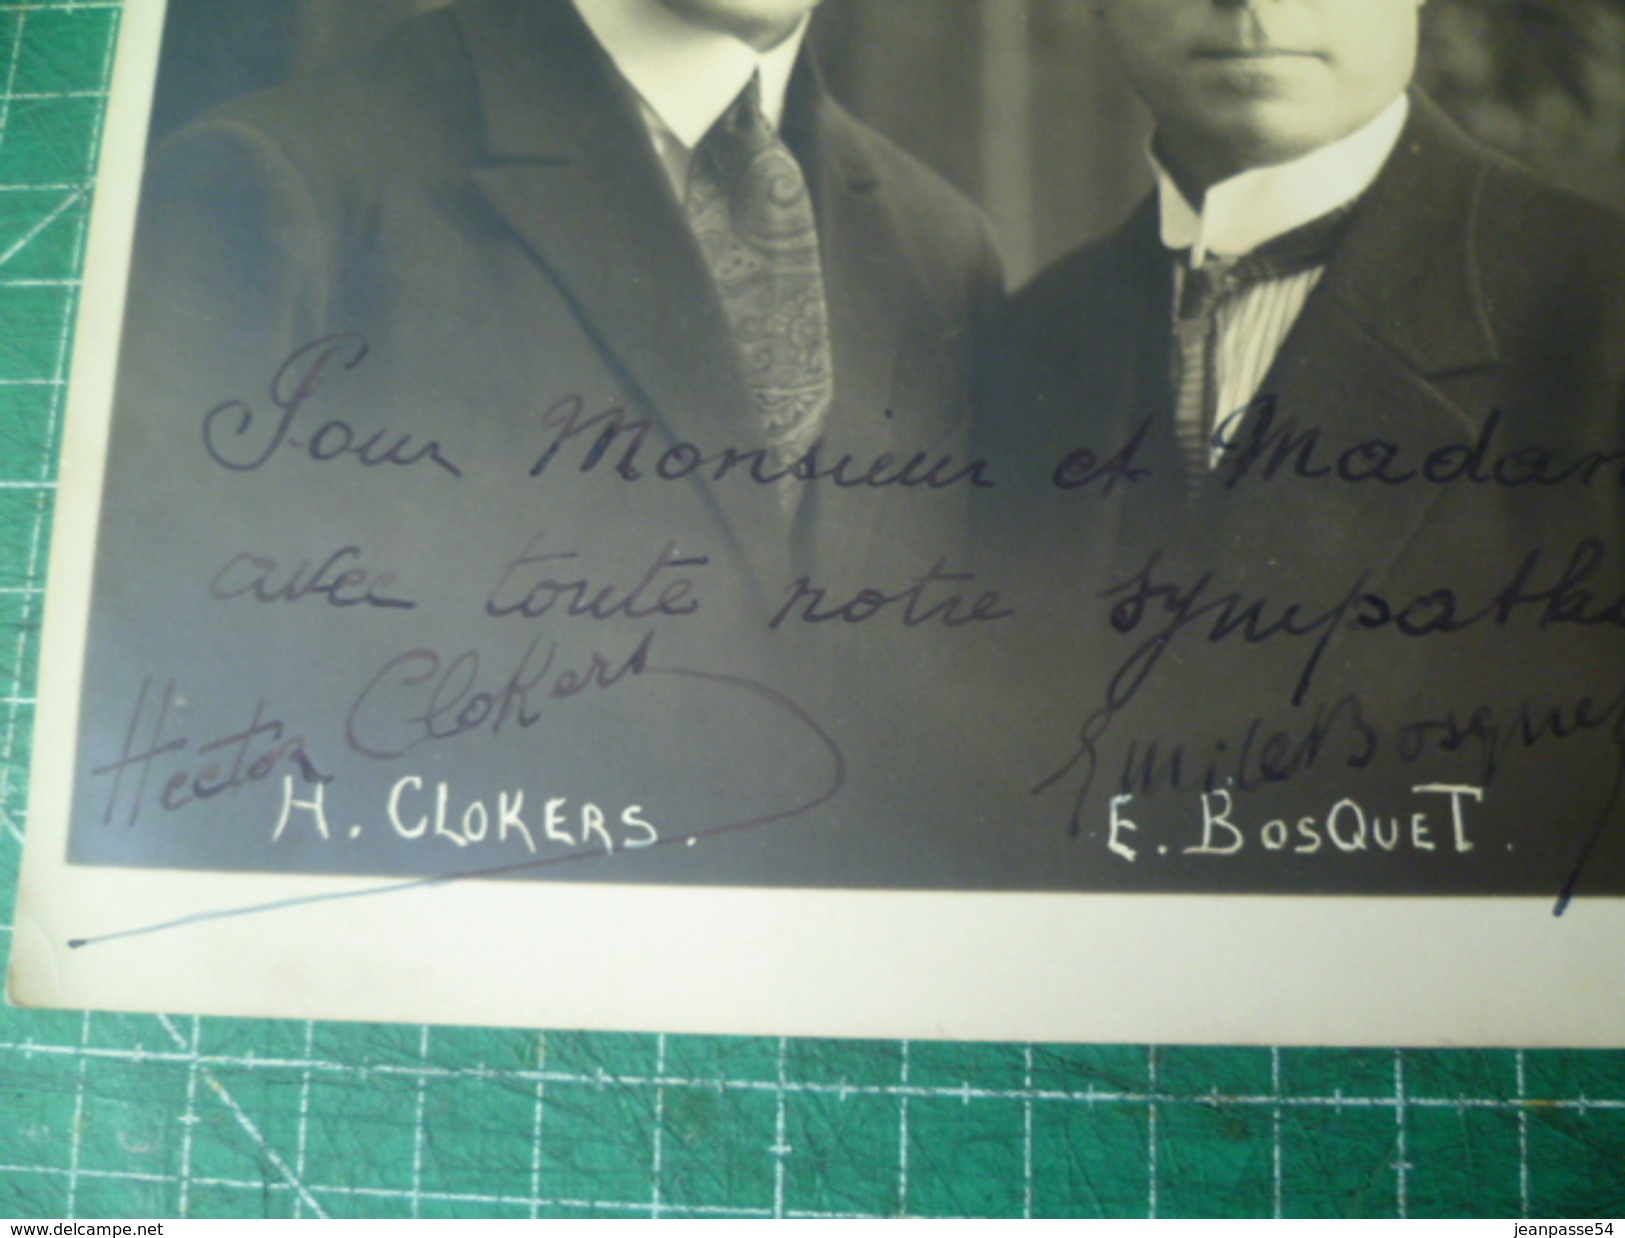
1264,132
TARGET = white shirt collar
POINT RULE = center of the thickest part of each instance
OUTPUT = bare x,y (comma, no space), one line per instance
688,75
1244,212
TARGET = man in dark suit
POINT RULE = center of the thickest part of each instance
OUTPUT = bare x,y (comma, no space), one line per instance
1316,464
597,323
500,198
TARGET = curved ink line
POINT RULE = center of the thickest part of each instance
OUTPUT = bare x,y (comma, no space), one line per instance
837,784
1571,887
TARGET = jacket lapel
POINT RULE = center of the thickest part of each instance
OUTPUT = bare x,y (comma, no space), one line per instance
871,293
570,168
1107,338
1136,393
859,248
1406,272
901,376
1396,312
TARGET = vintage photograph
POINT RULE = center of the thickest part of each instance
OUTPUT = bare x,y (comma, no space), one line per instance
1021,448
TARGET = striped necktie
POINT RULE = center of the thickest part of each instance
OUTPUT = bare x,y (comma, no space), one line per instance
1204,292
751,211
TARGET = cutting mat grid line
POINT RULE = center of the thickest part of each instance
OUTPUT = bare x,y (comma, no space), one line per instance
123,1115
166,1116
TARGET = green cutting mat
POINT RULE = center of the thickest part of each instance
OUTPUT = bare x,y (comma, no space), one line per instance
135,1116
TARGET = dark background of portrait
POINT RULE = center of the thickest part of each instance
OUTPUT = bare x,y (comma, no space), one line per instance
1014,100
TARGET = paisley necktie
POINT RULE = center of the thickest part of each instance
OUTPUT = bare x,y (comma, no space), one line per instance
751,211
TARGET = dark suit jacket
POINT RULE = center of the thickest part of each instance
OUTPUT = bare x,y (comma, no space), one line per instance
476,210
480,199
1467,304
